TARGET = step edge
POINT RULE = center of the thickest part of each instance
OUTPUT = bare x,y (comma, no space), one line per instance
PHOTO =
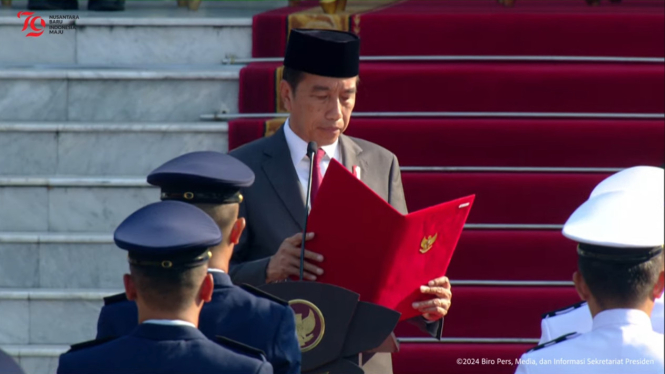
34,350
43,350
166,22
184,127
55,238
74,294
501,283
469,340
139,181
27,73
476,114
510,169
479,58
75,181
86,238
81,294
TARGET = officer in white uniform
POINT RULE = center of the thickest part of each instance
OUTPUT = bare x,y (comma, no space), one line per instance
577,317
620,236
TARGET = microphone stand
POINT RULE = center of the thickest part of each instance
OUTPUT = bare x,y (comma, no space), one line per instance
311,150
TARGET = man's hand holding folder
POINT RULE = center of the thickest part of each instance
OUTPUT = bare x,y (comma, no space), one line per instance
390,259
286,262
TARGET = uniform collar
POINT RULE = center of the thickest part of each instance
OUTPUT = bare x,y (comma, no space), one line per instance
621,317
153,331
298,147
169,322
221,279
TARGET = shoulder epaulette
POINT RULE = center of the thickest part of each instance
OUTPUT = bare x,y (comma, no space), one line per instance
115,298
89,344
260,293
565,310
240,347
560,339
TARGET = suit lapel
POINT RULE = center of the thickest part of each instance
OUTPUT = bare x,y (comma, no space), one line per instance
351,154
279,169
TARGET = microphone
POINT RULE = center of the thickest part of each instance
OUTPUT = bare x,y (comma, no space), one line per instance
312,147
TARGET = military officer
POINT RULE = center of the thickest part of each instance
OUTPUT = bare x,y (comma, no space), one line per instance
212,181
620,275
169,248
577,317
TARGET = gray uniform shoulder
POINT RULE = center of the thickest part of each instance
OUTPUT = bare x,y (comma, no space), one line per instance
560,339
240,348
89,344
262,294
115,299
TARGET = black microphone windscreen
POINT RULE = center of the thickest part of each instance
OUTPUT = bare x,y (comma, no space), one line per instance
312,147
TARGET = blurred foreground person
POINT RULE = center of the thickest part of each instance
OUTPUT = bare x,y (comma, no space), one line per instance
211,181
8,365
620,275
577,317
169,249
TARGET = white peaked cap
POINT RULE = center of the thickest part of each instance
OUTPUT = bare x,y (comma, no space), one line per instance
647,179
619,219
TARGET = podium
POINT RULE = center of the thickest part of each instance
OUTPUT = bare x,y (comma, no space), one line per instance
335,329
355,227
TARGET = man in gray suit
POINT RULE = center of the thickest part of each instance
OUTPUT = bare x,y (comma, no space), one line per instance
319,90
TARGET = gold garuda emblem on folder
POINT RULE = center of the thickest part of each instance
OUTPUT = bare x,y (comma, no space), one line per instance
310,325
427,243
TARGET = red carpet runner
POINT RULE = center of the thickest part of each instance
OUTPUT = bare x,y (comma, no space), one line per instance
455,27
480,27
499,142
485,87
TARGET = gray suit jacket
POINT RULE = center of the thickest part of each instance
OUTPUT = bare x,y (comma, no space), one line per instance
274,206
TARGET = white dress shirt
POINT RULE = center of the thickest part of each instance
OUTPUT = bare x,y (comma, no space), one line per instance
169,322
298,148
621,341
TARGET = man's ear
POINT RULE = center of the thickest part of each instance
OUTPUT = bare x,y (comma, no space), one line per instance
236,231
207,287
286,93
581,286
130,287
660,285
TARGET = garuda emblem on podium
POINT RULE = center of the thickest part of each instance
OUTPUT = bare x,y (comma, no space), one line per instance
310,324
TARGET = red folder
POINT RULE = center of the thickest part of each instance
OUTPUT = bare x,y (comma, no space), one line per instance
372,249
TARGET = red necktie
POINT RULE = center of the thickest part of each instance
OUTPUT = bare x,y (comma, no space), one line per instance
317,176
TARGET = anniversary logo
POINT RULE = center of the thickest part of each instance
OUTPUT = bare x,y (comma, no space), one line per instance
57,24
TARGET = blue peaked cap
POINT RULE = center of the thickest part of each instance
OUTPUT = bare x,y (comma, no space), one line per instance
202,177
168,234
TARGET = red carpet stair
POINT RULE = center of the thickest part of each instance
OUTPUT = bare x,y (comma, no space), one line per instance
556,128
483,27
485,87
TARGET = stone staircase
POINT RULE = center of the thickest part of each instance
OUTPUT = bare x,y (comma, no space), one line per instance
84,116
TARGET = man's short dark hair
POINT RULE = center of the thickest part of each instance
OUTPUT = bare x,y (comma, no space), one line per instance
225,215
168,289
620,284
293,77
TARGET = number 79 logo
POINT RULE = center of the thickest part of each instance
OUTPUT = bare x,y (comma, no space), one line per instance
32,23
